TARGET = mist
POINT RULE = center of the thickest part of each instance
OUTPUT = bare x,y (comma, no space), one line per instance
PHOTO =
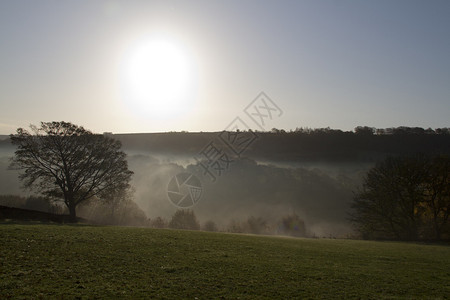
320,196
310,175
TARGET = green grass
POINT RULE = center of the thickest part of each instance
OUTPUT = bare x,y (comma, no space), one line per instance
66,262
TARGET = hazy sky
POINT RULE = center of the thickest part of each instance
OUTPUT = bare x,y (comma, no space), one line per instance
324,63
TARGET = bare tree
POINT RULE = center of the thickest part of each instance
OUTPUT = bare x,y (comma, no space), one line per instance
68,163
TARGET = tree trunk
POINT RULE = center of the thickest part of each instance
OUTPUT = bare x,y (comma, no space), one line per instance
72,213
437,230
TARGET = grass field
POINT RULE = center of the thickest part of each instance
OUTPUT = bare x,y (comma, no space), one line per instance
66,262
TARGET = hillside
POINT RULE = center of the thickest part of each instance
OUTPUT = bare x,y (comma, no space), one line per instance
303,145
19,214
320,145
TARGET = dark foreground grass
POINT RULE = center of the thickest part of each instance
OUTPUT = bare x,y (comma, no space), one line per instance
66,262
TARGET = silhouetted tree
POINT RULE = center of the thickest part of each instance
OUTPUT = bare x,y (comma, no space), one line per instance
445,131
184,219
402,197
437,195
365,130
69,163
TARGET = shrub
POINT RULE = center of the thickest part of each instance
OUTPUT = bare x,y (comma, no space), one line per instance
292,225
184,219
210,226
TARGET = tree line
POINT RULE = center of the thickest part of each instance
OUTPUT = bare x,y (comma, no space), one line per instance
366,130
303,144
289,225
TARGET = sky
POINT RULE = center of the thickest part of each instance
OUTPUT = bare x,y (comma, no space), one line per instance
156,66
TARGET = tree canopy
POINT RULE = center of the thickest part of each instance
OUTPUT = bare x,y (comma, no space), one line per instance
406,198
68,163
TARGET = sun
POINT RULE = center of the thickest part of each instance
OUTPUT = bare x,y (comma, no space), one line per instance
158,78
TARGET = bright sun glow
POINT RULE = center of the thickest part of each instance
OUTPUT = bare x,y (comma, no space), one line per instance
158,78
